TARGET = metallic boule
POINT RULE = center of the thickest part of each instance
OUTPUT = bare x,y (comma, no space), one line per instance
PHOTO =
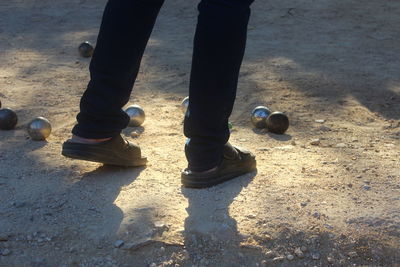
277,122
136,115
86,49
185,104
8,119
39,129
259,116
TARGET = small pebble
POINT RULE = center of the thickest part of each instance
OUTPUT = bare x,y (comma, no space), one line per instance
330,259
270,254
304,248
324,128
290,257
352,254
264,263
317,215
118,243
315,256
341,145
251,216
5,252
299,253
160,224
279,258
319,121
315,142
366,187
288,147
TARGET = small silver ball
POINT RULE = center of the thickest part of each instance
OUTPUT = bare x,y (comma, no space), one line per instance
259,116
185,104
86,49
39,129
136,115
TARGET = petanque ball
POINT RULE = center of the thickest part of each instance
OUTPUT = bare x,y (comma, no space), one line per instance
185,104
259,116
136,115
277,122
39,129
8,119
86,49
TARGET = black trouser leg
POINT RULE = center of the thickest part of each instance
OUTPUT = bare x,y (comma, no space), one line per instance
218,52
123,36
219,46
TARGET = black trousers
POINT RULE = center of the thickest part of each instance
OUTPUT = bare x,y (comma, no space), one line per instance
219,45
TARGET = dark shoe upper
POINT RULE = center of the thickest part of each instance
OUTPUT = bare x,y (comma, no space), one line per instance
235,162
116,151
116,144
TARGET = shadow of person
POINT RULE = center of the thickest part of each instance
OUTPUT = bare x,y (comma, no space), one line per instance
208,226
97,191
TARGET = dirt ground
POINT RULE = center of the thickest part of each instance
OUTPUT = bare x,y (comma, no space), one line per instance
326,193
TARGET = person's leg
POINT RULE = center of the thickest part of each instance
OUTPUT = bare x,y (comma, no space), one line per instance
124,32
219,46
123,36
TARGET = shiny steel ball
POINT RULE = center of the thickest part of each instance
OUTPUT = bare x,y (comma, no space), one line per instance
39,129
277,122
8,119
185,104
86,49
259,116
136,115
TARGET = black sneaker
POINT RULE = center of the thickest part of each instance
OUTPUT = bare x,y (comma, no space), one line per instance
116,151
235,162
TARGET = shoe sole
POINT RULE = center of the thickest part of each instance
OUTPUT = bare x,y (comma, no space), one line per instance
102,158
193,182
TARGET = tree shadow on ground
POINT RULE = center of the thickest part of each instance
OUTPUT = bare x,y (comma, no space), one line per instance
342,57
332,50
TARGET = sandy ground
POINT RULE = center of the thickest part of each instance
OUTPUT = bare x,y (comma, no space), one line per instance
336,202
